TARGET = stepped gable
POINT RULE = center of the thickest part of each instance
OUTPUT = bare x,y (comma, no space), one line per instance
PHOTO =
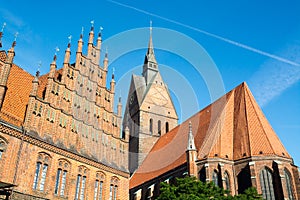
233,128
19,85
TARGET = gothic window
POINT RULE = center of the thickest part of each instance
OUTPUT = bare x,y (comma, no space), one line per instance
113,189
289,187
55,89
159,127
81,183
148,193
98,189
70,73
266,183
226,180
151,126
167,127
41,172
215,178
61,177
3,146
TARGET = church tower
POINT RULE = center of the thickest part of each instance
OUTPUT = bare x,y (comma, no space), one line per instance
149,112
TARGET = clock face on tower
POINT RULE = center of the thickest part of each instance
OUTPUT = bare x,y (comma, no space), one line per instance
159,97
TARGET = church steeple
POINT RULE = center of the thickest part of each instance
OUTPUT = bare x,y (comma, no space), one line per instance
150,64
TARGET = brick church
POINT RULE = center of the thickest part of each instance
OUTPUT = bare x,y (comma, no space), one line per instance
62,138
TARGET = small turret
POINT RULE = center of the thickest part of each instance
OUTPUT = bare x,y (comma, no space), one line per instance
105,61
4,73
191,153
91,40
68,52
1,33
99,39
35,84
119,108
80,42
11,51
112,82
53,64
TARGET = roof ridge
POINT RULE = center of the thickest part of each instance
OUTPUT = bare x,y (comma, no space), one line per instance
251,98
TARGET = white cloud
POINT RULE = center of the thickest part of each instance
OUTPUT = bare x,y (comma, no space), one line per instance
275,77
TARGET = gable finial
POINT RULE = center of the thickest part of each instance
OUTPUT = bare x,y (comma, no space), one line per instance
15,40
81,35
100,31
150,27
56,50
70,39
92,25
113,73
38,69
1,33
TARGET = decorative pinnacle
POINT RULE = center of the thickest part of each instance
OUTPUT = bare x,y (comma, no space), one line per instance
150,27
37,74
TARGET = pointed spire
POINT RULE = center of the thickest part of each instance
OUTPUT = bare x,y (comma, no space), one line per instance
191,143
1,33
150,56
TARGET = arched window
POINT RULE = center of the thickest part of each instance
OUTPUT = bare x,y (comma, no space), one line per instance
113,189
266,183
151,126
41,171
98,190
215,178
81,183
61,177
167,127
3,146
159,127
226,180
289,187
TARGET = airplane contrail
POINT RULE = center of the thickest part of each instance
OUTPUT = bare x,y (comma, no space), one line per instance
209,34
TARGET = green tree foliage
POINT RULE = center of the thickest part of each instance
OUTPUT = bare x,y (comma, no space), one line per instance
189,188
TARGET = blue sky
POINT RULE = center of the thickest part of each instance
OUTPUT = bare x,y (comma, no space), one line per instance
253,41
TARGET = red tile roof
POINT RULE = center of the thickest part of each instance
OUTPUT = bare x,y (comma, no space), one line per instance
233,128
19,85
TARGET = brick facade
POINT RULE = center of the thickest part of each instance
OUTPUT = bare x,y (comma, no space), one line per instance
64,140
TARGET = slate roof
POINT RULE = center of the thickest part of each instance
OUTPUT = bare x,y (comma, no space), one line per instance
233,128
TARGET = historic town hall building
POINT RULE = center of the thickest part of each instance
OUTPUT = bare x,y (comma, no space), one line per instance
62,138
59,136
